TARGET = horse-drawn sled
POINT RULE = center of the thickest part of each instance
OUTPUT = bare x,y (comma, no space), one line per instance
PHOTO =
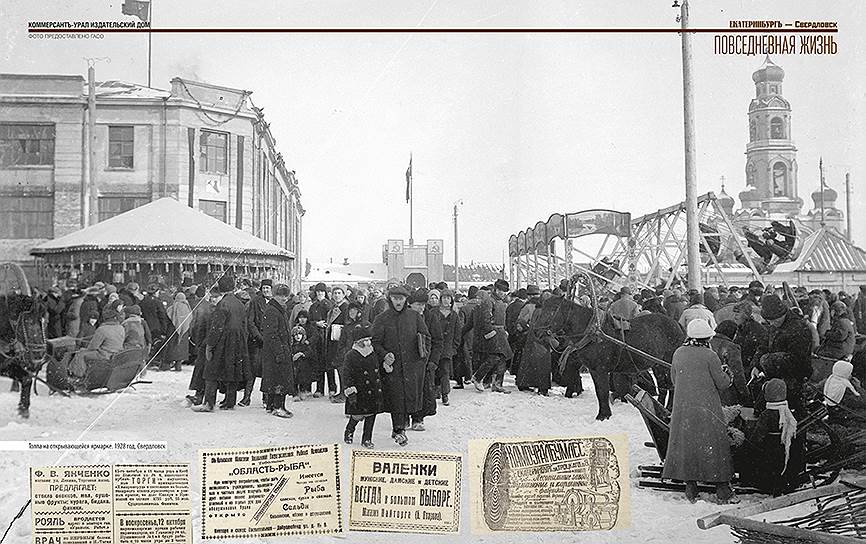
123,369
25,354
827,448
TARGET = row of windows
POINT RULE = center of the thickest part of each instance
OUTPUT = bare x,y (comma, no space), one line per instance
26,216
33,145
33,216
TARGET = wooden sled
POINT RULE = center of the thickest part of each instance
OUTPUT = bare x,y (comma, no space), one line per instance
838,516
825,448
109,376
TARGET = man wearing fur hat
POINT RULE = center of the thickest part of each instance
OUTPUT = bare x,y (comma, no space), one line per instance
226,349
421,301
788,351
396,333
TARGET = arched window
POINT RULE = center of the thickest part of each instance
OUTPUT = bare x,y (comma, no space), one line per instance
777,128
751,172
753,131
780,179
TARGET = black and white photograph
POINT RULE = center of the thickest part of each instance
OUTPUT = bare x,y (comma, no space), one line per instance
340,226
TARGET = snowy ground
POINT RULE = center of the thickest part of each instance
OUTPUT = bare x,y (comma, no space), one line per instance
157,412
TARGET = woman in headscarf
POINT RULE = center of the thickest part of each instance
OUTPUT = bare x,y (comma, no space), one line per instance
773,456
179,313
698,447
844,396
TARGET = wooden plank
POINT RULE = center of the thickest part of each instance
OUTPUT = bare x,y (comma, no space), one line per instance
788,532
777,503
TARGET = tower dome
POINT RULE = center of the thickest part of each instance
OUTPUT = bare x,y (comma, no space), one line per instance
750,198
769,71
829,197
725,201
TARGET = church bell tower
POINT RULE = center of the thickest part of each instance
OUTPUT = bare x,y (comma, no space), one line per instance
771,158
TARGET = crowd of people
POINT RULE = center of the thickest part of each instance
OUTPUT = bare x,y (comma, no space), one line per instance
402,351
752,350
395,351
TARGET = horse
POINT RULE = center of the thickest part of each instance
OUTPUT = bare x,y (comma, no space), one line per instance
22,344
565,326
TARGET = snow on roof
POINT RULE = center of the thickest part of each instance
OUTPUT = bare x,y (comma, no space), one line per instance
121,89
163,224
825,250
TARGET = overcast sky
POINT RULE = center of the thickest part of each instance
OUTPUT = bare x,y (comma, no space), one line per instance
518,126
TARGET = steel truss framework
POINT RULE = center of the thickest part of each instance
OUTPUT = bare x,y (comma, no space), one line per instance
654,254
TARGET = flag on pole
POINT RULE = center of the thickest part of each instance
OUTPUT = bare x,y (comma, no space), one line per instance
409,179
138,8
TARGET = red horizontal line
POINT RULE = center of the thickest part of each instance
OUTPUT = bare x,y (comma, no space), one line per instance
439,30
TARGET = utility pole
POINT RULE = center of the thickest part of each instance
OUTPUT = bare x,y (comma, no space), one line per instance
456,261
90,203
821,172
848,204
692,233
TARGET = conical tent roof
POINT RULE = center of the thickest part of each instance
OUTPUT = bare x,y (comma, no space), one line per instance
162,225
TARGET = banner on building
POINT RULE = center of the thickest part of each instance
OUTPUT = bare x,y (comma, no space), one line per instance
555,227
597,222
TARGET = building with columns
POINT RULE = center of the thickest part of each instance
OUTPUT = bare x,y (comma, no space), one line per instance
204,145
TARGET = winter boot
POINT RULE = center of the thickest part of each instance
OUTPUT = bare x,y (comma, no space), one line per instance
400,437
248,394
725,494
203,407
348,436
445,401
692,492
282,412
178,366
368,444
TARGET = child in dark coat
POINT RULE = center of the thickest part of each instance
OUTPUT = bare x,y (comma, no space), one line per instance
364,398
774,454
302,355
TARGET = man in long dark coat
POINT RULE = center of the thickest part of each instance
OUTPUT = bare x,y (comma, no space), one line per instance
278,377
432,318
319,310
255,313
395,340
515,339
198,330
161,327
226,351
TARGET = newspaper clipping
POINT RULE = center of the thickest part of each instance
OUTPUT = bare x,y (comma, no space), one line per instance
105,504
399,491
270,492
549,484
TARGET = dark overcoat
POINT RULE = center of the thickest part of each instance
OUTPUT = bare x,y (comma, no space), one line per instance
227,339
198,332
278,375
397,332
362,373
255,314
698,447
729,353
762,457
789,349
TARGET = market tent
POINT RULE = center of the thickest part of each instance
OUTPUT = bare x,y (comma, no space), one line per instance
162,225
